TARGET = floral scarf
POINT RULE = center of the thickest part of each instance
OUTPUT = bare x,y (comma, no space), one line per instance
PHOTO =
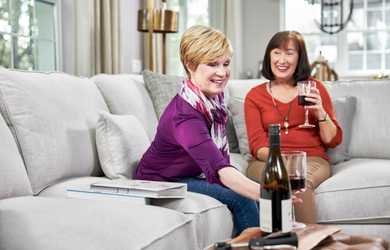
214,110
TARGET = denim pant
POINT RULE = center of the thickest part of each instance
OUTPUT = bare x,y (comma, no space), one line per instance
245,211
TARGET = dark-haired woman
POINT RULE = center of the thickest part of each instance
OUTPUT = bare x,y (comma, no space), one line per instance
285,63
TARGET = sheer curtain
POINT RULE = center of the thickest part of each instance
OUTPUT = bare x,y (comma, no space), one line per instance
106,37
226,15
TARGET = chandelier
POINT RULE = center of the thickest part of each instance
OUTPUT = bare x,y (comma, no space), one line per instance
335,14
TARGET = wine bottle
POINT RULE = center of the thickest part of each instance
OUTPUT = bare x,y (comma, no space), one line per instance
275,190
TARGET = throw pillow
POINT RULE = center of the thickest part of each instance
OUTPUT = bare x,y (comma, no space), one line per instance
345,110
236,107
13,178
162,88
121,141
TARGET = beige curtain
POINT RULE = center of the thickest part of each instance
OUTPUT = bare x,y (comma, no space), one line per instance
226,15
106,37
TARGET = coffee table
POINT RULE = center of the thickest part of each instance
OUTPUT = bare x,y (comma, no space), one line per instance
320,237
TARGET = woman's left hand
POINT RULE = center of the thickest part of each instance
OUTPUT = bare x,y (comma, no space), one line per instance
317,109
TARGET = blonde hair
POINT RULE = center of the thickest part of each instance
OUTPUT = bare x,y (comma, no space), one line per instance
202,44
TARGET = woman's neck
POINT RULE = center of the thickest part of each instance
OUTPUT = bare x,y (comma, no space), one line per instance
283,82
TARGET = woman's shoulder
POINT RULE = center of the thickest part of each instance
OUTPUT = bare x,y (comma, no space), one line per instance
257,90
182,110
319,84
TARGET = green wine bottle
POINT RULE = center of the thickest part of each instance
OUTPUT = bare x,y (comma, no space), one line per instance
275,190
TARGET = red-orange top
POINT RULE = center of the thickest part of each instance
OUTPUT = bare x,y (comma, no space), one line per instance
260,112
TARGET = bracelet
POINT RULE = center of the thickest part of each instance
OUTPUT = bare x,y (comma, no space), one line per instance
325,118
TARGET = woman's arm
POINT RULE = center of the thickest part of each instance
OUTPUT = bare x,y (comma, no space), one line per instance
239,183
330,131
257,136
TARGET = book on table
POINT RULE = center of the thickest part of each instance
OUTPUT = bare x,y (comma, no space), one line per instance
142,188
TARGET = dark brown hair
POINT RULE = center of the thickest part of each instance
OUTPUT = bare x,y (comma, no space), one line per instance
280,40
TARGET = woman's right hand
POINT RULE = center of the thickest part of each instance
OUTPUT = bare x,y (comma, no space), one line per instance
295,198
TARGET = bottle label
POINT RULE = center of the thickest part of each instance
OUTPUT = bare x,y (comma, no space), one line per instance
265,215
286,215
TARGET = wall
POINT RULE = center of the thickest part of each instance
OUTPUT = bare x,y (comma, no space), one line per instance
260,22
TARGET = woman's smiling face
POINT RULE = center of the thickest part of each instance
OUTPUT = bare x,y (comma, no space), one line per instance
284,61
211,78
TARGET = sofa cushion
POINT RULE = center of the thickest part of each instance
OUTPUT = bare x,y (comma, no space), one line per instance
239,162
345,111
162,88
236,106
40,223
213,220
13,177
358,192
127,95
371,126
237,90
121,141
60,188
53,117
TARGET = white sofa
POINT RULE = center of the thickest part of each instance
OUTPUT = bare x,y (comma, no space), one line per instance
357,196
47,131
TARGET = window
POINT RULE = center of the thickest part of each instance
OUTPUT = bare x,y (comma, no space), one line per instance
362,48
28,34
199,14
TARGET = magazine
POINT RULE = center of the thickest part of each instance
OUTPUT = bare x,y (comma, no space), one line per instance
142,188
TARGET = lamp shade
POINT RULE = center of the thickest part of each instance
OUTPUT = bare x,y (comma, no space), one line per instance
164,21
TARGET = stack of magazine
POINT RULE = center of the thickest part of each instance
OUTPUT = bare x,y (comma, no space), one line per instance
141,188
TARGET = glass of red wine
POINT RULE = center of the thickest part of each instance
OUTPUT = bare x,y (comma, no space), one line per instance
304,88
296,165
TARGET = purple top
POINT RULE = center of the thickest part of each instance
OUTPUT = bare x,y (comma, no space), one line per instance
182,147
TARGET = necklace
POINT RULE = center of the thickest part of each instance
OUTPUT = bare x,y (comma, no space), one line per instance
283,118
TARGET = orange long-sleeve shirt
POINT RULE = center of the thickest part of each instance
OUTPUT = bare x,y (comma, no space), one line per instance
260,112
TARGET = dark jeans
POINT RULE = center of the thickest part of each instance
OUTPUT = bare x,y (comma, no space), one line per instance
245,211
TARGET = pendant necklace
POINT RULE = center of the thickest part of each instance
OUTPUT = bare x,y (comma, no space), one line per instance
283,118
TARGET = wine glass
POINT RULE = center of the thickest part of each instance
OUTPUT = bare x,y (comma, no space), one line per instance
296,166
304,88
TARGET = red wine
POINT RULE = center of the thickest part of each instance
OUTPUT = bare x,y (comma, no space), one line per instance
297,182
303,102
275,192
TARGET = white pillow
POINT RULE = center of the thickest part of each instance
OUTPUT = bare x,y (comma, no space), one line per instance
345,111
236,107
121,141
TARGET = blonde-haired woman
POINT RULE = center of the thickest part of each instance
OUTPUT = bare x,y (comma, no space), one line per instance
191,145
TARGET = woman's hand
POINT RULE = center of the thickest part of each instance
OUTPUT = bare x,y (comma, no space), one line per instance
295,199
317,109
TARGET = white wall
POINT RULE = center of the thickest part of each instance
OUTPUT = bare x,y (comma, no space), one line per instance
261,20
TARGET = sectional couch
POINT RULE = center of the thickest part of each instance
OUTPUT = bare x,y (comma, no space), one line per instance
47,131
